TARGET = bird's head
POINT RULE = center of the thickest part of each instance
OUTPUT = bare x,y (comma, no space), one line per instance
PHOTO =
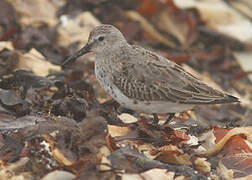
102,39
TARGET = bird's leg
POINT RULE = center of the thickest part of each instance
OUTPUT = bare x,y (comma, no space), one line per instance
155,120
169,118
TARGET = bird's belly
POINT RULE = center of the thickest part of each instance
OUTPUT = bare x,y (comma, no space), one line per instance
137,105
148,106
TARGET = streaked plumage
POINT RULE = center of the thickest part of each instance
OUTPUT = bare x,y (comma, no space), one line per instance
142,80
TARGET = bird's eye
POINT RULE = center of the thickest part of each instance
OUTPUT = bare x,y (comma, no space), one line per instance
101,38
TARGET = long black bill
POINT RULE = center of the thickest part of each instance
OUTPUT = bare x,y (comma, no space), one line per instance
79,53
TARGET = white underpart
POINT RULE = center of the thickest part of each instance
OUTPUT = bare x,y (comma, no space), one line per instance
148,106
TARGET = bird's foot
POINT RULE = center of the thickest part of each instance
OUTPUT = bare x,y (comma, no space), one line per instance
155,120
171,116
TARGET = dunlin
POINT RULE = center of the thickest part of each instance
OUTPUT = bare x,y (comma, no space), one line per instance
142,80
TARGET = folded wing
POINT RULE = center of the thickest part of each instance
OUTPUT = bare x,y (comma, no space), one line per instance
154,78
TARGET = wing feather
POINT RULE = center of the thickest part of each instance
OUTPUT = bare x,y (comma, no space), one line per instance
155,78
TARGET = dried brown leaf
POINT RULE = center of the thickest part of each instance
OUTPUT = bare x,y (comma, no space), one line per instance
35,12
150,29
77,29
202,164
36,62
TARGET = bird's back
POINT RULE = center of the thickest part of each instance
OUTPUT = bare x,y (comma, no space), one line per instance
145,75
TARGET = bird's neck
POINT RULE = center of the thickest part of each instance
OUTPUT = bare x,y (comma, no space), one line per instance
114,54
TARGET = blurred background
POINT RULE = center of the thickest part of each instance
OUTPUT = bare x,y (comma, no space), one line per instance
212,39
211,36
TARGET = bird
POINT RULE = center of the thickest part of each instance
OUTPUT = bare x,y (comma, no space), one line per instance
142,80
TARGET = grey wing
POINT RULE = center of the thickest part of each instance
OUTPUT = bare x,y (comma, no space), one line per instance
162,80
